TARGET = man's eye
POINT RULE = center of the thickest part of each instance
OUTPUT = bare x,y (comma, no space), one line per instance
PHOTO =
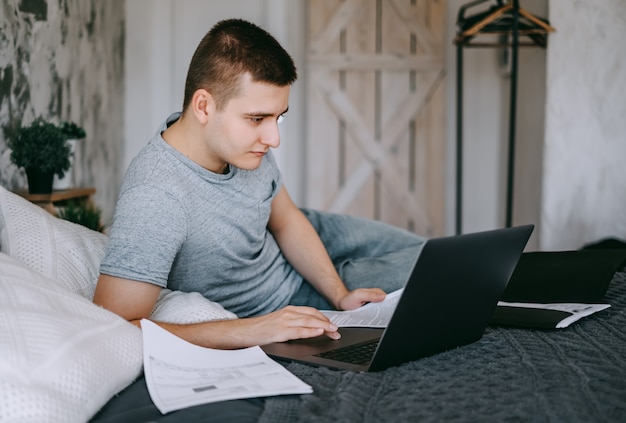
256,119
280,119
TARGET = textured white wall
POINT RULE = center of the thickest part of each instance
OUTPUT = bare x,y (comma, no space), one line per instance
584,182
64,61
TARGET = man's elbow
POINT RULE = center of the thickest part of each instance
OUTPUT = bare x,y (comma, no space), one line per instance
131,300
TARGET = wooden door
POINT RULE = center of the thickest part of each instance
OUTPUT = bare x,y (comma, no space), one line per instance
375,107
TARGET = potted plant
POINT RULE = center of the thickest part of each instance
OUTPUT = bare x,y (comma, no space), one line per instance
74,133
41,149
82,212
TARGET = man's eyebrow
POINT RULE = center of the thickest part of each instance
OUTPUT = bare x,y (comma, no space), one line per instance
264,114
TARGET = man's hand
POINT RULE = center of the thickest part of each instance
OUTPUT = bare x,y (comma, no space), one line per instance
291,322
360,297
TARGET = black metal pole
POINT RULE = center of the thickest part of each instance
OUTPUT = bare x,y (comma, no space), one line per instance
459,137
512,113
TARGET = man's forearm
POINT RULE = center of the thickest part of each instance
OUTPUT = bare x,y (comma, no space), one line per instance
282,325
223,334
304,250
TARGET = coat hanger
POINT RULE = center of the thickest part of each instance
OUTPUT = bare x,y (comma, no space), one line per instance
483,19
498,19
537,21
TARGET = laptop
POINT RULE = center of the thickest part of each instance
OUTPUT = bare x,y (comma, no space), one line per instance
449,296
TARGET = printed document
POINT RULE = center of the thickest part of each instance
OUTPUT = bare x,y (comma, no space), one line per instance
372,315
180,374
574,311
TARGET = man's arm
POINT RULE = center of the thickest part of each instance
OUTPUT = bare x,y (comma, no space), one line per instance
134,300
303,248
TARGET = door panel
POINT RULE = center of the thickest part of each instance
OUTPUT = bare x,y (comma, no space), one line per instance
375,101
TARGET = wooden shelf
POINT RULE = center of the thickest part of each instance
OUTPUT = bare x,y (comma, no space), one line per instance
48,201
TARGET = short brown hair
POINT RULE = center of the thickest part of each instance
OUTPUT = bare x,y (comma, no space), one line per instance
230,49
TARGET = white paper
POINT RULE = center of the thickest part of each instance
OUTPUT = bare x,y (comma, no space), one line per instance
180,374
372,315
578,310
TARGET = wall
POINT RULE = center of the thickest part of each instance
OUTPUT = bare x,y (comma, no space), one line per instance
571,190
584,182
63,60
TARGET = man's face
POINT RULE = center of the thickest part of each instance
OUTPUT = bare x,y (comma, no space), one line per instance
243,132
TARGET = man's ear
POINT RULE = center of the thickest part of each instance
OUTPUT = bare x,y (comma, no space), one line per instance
203,106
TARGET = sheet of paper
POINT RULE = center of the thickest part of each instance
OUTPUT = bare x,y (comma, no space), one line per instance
578,310
372,315
180,374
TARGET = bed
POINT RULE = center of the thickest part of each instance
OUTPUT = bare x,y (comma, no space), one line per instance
65,359
577,374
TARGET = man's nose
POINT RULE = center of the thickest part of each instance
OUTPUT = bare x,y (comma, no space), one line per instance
271,135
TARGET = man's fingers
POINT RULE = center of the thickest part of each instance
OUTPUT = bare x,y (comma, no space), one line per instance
308,321
334,335
372,295
300,311
360,297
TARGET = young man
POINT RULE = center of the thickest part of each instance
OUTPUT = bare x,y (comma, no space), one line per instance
202,208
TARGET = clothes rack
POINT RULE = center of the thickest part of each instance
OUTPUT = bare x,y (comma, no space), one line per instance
512,27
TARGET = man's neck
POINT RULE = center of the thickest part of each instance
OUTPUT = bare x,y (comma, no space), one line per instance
186,139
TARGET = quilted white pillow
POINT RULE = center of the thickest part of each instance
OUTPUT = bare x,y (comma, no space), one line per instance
187,307
62,357
67,253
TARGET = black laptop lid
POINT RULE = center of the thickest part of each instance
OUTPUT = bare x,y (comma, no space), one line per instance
581,276
469,271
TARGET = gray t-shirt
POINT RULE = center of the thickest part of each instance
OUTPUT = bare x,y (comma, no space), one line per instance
180,226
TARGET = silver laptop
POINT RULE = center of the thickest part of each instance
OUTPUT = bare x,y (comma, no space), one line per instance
449,296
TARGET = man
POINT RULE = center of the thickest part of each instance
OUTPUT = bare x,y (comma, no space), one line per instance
202,208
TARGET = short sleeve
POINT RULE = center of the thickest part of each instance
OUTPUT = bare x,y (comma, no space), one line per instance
148,231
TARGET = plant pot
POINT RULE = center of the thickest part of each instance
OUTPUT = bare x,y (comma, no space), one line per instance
39,182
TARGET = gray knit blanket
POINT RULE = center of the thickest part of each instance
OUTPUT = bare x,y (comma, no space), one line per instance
577,374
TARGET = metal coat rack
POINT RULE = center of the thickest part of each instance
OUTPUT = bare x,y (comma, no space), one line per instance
512,27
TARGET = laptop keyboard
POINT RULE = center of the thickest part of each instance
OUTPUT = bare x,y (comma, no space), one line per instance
355,354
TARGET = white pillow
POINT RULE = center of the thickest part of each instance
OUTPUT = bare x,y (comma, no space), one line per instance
187,307
61,357
67,253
